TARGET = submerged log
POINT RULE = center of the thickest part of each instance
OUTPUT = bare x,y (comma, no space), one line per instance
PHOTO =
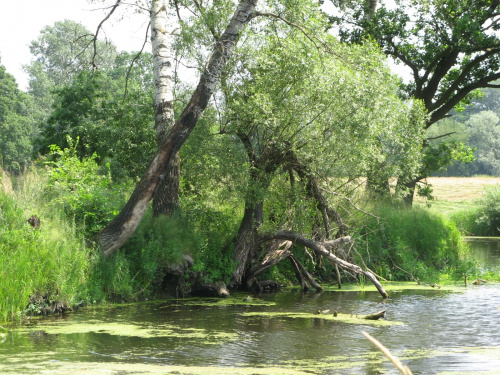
375,316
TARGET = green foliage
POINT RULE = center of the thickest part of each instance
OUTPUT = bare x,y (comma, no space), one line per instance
64,50
15,125
442,155
159,245
81,189
61,52
216,228
467,221
94,109
484,133
489,211
447,46
418,241
52,261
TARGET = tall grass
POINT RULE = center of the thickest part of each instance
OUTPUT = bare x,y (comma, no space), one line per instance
50,261
484,218
405,243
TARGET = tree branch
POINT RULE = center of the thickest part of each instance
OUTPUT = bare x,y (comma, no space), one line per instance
134,60
321,249
94,66
439,136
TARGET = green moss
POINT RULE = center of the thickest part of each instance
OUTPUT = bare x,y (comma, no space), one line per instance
341,318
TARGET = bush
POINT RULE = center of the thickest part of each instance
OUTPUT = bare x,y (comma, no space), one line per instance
137,270
81,189
467,222
407,242
483,220
489,211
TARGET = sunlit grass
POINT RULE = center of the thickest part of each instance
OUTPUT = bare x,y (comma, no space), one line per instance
453,194
51,260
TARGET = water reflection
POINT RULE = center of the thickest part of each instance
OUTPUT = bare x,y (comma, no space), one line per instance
486,250
442,331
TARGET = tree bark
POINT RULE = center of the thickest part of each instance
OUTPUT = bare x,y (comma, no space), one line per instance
166,198
314,192
410,192
307,276
116,233
247,241
298,274
278,251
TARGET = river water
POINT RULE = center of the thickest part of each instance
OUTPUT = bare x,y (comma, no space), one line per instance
433,331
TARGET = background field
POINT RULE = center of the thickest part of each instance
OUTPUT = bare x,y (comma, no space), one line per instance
456,193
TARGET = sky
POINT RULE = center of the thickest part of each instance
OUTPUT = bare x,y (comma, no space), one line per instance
22,20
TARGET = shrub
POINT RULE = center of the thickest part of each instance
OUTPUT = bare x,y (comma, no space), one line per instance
81,189
483,220
407,242
489,211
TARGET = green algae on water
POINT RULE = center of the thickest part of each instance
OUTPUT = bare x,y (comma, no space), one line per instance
393,286
230,301
91,368
131,330
341,318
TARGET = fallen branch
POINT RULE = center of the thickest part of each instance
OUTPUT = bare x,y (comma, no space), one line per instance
306,274
321,249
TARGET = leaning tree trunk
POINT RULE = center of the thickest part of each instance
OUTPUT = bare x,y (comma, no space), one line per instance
116,233
166,197
247,241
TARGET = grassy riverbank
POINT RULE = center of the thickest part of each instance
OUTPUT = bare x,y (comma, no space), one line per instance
56,266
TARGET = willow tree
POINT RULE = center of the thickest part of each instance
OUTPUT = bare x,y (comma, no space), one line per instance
451,49
299,102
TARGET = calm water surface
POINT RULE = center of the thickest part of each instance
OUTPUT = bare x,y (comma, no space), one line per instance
454,332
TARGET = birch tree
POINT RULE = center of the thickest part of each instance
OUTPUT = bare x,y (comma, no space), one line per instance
166,197
170,139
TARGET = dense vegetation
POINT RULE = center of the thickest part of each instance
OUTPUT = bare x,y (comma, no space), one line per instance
303,132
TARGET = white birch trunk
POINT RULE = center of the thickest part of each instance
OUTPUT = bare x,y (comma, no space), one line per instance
163,62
